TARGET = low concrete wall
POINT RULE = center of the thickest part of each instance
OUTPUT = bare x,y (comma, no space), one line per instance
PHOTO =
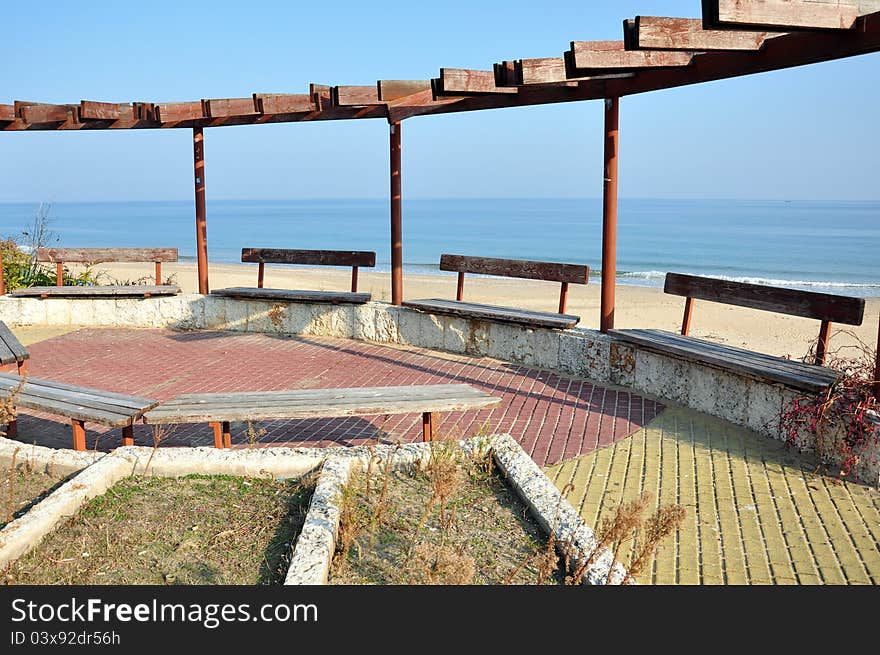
580,352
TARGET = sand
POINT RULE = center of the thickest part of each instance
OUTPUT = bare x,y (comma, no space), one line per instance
643,307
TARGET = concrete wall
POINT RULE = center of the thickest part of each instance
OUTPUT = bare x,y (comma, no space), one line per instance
580,352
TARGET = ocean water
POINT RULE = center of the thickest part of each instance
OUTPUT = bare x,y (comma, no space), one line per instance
824,246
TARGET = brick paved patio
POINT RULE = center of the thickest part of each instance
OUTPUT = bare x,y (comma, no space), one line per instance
554,417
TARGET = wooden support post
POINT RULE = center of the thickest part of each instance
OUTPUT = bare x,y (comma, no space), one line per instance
354,279
128,435
59,274
201,215
459,290
563,297
12,429
158,273
2,277
261,274
396,218
22,367
822,345
609,215
427,426
877,366
688,312
218,435
79,435
227,435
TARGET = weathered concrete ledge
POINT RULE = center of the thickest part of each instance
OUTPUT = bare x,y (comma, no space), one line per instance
313,552
742,400
46,460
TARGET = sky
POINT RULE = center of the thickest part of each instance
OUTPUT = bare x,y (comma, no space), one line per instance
801,134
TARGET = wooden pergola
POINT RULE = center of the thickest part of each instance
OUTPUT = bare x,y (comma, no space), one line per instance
733,38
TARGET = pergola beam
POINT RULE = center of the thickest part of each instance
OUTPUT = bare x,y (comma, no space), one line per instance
787,14
390,90
462,81
354,96
659,33
598,56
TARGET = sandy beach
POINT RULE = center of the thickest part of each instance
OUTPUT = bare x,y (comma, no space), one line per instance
636,306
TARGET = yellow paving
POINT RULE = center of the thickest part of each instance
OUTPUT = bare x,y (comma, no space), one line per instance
757,512
31,335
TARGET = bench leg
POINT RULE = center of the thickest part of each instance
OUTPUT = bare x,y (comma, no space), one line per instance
22,367
227,435
218,435
822,345
12,429
128,435
427,426
79,435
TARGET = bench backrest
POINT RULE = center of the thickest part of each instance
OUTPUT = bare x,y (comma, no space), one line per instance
825,307
100,255
353,258
517,268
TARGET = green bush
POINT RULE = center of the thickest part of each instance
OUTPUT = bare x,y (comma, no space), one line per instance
21,270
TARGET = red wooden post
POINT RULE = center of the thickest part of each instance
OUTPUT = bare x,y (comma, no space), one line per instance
688,312
22,367
396,219
128,436
227,435
609,215
158,273
79,435
427,426
877,367
201,215
218,435
12,429
354,279
261,272
563,297
459,290
59,274
822,345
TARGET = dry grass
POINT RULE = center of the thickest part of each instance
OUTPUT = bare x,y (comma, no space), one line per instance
192,530
453,522
23,486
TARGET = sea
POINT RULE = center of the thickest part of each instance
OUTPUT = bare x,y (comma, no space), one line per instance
822,246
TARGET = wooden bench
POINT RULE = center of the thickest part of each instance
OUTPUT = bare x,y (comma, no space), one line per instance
516,268
80,404
827,308
11,350
263,256
59,256
220,409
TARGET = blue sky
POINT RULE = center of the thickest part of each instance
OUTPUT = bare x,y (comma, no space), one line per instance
806,133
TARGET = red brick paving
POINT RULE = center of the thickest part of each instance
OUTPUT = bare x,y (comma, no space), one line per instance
554,417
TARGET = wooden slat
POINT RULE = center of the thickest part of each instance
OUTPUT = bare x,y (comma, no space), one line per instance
494,313
659,33
808,304
321,96
354,96
520,268
132,291
7,113
6,354
464,81
806,377
85,398
36,113
611,55
293,295
19,352
315,403
124,399
309,257
175,112
105,111
788,14
539,71
223,107
99,255
396,89
284,103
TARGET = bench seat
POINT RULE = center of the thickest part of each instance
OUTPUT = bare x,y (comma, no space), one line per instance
80,404
11,349
293,295
494,313
798,375
128,291
219,409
